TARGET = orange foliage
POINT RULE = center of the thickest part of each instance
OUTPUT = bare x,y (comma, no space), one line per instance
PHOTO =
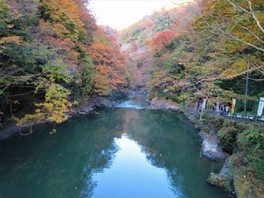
162,40
108,60
58,8
10,39
99,52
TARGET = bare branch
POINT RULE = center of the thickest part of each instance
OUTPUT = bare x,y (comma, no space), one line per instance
219,77
230,36
238,7
254,16
252,33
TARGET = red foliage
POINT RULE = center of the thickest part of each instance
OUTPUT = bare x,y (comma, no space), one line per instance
162,40
108,60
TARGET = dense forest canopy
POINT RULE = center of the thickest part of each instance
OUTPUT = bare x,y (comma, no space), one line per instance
52,57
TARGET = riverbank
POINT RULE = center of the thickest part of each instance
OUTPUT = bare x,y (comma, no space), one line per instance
241,144
11,130
162,104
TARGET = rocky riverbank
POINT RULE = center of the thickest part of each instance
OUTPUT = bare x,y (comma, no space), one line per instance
210,146
90,106
241,144
162,104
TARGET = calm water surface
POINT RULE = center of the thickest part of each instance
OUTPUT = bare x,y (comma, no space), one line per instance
118,153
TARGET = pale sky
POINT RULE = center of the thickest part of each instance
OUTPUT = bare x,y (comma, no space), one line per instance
120,14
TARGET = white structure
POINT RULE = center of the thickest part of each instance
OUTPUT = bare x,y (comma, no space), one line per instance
261,106
217,108
204,104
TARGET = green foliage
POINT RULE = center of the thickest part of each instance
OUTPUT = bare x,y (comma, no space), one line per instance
251,138
4,14
56,71
150,70
251,142
180,97
244,183
171,65
85,86
227,137
28,56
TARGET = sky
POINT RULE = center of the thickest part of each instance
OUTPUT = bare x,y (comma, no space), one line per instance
120,14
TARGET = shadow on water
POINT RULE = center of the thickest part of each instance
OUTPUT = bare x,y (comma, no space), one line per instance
118,153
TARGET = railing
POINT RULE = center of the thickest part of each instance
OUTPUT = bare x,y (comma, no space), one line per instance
239,116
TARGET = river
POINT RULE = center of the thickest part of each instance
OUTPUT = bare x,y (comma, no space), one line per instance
115,153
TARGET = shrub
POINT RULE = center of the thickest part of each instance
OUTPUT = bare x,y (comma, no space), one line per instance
227,137
251,142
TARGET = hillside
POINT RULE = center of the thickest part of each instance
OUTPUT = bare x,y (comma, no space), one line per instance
135,40
187,56
53,57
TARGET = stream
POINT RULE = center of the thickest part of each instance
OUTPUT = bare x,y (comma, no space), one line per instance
124,152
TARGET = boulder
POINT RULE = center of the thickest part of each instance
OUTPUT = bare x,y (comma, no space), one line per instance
225,179
211,148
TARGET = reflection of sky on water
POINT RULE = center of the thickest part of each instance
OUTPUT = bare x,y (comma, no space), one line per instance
158,156
130,167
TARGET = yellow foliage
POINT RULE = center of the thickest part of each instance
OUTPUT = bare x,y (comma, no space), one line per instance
10,39
235,69
55,108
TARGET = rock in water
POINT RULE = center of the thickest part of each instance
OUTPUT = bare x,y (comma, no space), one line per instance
211,148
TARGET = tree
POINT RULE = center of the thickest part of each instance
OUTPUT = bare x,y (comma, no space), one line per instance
162,40
44,59
239,25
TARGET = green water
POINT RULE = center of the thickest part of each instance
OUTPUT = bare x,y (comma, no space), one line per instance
118,153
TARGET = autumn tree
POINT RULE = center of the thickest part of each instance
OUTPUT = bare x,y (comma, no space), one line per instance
50,56
162,40
109,62
239,24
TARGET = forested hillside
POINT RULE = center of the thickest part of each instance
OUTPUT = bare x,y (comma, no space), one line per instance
154,31
204,49
53,56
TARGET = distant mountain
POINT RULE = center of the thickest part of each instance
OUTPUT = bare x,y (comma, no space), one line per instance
135,40
177,19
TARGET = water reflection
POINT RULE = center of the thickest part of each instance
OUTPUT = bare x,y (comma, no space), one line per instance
131,175
90,156
161,141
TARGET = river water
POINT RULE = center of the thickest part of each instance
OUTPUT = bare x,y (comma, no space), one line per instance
116,153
